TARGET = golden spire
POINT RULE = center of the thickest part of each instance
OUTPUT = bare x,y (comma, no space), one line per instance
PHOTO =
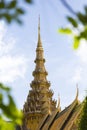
40,98
39,38
40,92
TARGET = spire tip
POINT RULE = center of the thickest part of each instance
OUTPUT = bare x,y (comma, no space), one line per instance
39,24
77,93
39,38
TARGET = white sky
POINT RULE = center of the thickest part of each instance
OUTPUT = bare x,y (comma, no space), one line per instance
65,66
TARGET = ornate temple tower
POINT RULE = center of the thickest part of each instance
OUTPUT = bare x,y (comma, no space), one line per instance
39,100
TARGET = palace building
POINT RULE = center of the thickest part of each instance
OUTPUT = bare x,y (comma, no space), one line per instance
41,111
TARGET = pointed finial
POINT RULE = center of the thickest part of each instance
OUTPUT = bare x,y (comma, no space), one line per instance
49,112
39,25
39,39
77,93
58,105
58,101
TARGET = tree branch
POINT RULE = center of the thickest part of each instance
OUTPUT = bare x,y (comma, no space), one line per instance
68,7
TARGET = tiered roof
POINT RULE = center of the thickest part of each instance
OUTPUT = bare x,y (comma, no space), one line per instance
63,120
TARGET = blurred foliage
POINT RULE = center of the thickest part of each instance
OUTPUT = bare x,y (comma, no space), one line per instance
83,120
10,116
12,10
78,28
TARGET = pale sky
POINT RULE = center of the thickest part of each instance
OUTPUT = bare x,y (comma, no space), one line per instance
66,67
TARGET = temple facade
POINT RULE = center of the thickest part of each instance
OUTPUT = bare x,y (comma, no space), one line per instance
41,111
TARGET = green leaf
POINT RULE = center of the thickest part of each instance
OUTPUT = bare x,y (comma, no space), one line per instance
19,21
72,21
4,88
9,110
82,18
12,4
28,1
83,34
2,5
1,98
83,117
6,125
20,11
76,43
85,9
8,17
65,31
